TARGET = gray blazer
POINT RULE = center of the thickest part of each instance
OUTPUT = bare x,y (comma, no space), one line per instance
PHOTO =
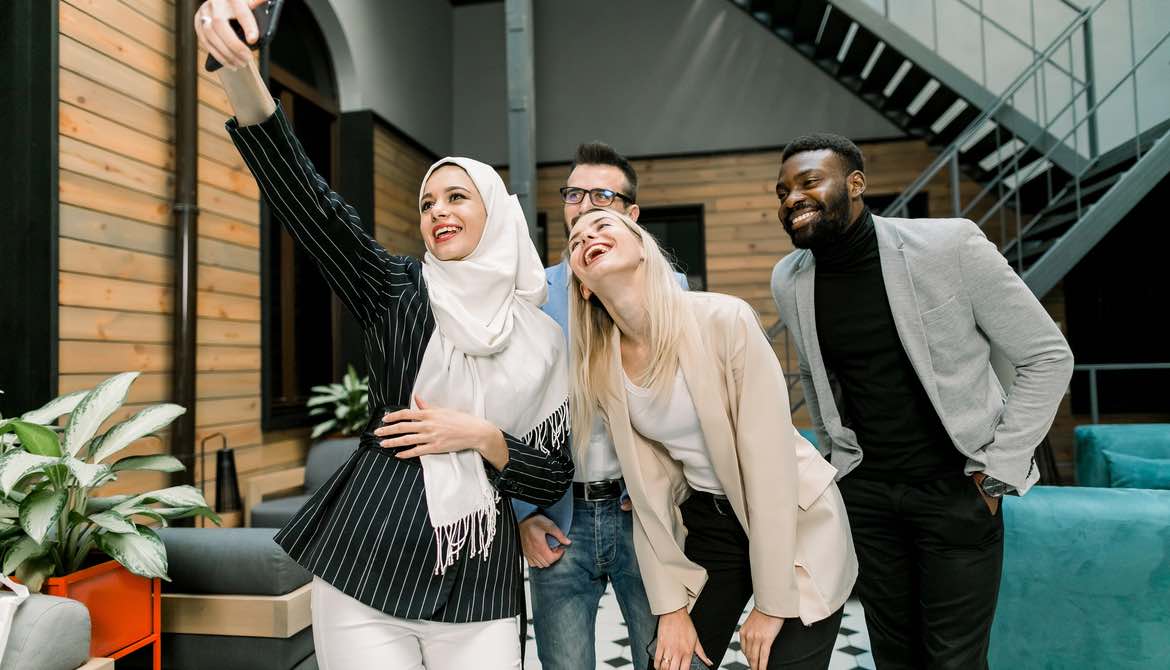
955,302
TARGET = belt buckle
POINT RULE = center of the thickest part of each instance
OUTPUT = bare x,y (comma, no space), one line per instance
589,488
719,502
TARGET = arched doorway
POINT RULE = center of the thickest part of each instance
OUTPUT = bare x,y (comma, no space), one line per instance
302,322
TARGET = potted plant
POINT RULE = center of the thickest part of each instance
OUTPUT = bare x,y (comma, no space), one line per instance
347,403
52,526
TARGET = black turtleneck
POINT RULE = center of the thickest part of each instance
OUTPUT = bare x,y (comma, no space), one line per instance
882,399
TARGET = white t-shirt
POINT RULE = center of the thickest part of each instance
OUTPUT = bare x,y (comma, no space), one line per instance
601,461
674,423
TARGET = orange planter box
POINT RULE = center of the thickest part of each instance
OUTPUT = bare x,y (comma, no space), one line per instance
125,610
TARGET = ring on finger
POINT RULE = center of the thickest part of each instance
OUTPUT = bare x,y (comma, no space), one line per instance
205,19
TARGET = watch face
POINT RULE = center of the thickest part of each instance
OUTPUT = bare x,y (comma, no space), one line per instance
993,487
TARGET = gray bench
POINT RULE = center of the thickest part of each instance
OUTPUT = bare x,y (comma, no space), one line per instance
236,602
324,459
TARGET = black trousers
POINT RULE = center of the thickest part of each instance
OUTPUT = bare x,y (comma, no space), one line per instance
716,541
930,557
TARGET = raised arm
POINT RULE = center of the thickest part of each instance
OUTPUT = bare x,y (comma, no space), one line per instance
356,267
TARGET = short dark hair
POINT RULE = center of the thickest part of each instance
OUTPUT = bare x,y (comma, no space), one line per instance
600,153
845,149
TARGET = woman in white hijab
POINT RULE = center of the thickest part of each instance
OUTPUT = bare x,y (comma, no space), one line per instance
412,543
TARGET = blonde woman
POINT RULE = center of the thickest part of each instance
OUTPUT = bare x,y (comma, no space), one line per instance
730,502
413,543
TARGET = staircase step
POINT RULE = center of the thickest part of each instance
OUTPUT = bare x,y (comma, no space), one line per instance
1034,249
984,148
1036,195
783,13
761,10
858,55
1089,193
956,127
1007,164
882,71
934,107
1053,226
904,93
808,20
833,36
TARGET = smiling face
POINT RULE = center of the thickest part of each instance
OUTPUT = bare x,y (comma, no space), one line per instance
452,214
602,248
818,198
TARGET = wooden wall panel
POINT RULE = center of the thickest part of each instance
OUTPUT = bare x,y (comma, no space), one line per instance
117,238
398,171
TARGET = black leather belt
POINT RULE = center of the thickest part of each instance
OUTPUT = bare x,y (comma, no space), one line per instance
608,489
713,501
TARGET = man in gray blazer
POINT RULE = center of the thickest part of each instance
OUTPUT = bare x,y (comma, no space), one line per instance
895,323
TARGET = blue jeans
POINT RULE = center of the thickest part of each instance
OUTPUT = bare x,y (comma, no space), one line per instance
565,595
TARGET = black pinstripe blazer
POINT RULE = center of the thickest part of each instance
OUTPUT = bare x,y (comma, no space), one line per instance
367,531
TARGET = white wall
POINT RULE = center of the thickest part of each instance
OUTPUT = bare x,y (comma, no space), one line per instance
399,59
649,77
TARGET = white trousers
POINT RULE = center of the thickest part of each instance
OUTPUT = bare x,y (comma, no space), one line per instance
349,635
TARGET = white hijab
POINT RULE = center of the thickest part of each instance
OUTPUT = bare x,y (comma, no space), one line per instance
493,354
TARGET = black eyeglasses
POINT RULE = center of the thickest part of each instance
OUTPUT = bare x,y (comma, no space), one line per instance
601,197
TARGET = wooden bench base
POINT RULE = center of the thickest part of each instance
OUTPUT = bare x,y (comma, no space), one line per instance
238,615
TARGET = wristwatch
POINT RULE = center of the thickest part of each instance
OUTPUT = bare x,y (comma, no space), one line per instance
993,488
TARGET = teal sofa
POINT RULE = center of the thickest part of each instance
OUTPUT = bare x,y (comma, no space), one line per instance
1149,440
1086,581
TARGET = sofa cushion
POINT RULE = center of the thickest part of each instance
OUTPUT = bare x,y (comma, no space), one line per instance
226,652
277,513
1085,578
325,458
48,633
244,561
1135,472
809,434
1150,440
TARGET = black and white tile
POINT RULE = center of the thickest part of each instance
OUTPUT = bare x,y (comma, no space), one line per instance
613,647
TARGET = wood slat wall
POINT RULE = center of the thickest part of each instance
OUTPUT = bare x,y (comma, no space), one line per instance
117,236
743,237
398,171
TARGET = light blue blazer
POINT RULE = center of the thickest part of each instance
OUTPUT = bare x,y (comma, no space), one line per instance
561,512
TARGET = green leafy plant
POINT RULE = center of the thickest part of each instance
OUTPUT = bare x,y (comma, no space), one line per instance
348,403
49,520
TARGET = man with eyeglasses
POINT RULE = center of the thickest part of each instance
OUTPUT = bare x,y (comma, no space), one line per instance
585,540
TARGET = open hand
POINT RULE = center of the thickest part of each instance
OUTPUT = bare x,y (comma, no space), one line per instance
756,637
533,541
216,36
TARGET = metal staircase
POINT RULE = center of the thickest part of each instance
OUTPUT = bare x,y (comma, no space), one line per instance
1047,214
1046,192
899,76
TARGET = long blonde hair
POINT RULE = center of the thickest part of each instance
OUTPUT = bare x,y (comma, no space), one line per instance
592,331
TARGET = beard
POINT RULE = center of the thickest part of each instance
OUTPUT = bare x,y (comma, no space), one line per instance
826,231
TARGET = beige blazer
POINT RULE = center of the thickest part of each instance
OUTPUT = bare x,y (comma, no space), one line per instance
781,489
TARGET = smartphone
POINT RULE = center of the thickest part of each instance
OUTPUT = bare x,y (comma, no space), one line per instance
266,16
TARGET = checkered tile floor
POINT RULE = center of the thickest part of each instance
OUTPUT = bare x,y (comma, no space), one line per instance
613,648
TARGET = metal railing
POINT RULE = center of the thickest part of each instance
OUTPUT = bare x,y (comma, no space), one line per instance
1094,368
1006,175
792,379
1021,33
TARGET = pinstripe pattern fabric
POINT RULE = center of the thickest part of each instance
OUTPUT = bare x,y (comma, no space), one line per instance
367,530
